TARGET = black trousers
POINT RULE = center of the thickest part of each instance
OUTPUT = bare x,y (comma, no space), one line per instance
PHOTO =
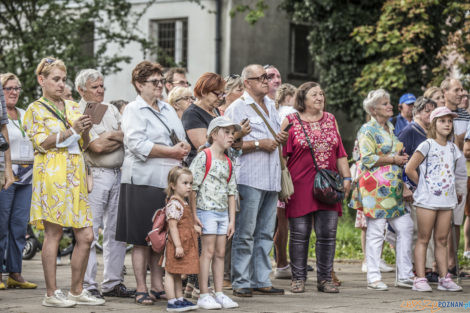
325,223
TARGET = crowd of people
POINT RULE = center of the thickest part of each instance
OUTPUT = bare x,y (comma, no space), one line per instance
213,158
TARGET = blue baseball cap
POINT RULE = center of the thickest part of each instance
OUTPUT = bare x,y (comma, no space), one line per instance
407,98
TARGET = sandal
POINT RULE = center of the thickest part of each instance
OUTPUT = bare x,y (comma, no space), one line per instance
188,291
158,294
335,279
327,287
144,297
298,286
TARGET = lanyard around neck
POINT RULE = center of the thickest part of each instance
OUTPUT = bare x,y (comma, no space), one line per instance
60,114
20,125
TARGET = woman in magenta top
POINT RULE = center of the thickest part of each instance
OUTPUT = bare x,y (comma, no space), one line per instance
302,207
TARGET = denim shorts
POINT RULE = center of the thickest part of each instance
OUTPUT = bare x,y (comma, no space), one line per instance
213,222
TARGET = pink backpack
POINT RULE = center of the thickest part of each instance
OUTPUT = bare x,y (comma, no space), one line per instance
158,235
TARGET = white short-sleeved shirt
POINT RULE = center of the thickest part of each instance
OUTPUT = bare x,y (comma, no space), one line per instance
436,186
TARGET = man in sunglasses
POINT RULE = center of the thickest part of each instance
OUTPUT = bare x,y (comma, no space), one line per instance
274,80
104,156
259,181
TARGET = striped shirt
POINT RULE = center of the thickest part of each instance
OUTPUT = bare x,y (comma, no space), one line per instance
258,169
461,121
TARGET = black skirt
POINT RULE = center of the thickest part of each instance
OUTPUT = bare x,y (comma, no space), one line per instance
137,205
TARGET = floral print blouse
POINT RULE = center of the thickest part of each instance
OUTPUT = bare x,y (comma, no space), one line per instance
380,187
174,209
212,192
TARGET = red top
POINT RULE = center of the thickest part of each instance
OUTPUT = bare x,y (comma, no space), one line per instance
328,147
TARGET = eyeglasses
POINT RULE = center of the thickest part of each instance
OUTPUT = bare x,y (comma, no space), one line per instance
187,98
219,94
234,76
181,83
17,89
48,61
261,78
155,82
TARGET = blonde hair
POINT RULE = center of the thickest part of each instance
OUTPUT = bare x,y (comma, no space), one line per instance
173,176
233,82
432,131
429,93
4,78
283,92
47,64
177,93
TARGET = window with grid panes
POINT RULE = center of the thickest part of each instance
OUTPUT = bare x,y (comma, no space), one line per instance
171,37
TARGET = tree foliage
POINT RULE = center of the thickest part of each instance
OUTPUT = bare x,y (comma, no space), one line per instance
414,44
337,57
81,32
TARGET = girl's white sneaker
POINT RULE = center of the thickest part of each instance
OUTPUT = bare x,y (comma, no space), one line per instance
58,300
226,302
447,284
208,303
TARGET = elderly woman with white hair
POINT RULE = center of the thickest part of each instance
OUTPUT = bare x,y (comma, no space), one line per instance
381,192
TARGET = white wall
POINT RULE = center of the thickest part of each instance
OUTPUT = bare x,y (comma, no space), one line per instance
201,43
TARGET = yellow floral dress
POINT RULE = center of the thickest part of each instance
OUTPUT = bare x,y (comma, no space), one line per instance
60,193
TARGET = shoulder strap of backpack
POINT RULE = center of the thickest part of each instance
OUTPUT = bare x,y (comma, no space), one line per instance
208,153
230,167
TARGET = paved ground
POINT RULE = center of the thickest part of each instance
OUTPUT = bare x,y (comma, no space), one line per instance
353,296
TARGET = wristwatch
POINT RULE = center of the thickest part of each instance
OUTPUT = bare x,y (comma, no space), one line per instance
256,145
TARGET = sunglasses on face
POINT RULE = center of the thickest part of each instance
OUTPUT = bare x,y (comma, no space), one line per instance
261,78
17,89
155,82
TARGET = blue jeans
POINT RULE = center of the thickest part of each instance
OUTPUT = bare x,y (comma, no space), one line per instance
15,204
253,239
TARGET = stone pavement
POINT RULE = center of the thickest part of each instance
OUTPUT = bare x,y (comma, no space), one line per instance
353,296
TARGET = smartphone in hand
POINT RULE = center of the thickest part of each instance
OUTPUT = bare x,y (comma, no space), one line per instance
288,127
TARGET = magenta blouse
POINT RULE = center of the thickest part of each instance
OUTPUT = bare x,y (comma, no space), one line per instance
328,148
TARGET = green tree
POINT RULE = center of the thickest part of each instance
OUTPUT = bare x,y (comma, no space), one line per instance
338,58
78,31
414,44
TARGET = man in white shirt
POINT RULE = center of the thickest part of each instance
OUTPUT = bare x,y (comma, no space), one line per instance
104,156
453,93
259,181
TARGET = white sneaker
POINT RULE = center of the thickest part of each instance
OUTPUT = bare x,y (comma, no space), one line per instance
283,272
466,254
378,285
208,303
364,267
58,300
384,267
405,282
86,298
226,302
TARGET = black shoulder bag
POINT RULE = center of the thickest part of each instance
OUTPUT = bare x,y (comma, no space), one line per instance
173,137
328,185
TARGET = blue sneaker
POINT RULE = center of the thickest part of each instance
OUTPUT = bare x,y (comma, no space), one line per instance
189,305
178,306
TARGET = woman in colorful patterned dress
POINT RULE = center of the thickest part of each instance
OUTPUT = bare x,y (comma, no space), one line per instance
59,133
302,207
381,190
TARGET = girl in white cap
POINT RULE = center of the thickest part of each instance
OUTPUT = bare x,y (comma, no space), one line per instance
435,196
213,204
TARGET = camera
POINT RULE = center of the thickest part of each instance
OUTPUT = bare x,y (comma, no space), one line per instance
3,143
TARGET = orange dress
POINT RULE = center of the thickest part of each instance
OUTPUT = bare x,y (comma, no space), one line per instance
189,263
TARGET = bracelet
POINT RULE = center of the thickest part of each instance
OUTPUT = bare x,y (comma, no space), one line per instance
347,178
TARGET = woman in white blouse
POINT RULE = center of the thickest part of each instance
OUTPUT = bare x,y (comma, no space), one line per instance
15,202
152,130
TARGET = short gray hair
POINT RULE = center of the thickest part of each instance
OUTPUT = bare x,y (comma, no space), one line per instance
373,97
248,70
86,75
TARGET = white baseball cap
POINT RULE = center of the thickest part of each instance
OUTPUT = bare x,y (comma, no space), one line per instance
222,121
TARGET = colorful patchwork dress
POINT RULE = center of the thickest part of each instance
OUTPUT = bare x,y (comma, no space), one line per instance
380,187
60,193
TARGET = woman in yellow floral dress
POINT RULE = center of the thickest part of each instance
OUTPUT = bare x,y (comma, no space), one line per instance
59,133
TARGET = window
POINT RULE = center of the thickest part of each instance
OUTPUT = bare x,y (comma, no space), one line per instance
171,38
301,63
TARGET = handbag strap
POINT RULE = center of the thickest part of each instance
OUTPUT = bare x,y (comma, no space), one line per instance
308,141
253,106
161,121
